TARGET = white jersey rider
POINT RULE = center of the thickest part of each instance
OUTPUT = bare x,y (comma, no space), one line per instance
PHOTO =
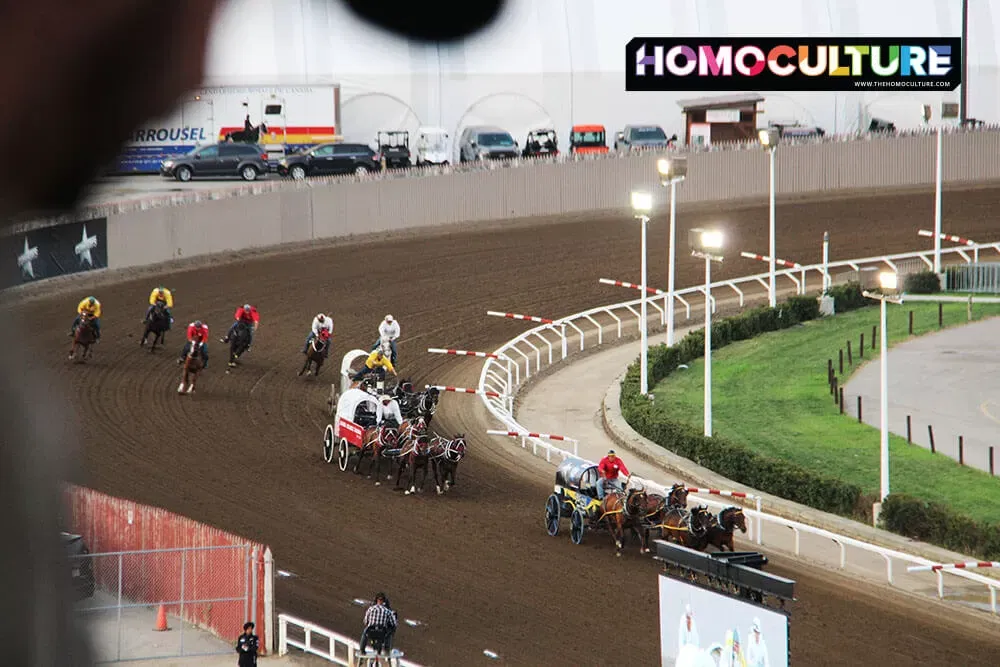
320,323
388,409
388,330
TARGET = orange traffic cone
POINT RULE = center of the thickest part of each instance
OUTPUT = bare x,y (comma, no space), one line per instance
161,619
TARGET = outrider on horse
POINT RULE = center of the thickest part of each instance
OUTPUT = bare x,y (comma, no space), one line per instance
316,352
157,322
84,337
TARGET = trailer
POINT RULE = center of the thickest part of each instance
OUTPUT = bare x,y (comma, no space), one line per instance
281,119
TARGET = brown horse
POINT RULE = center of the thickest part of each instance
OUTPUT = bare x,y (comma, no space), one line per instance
636,515
689,529
655,507
414,456
376,441
445,456
720,532
83,338
193,365
316,354
612,514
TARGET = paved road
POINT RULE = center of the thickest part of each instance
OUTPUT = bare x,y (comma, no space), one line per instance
120,188
568,402
947,380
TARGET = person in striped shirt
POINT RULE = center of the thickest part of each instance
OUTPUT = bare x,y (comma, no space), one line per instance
380,622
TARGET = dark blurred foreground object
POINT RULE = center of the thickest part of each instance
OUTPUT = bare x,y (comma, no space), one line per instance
434,21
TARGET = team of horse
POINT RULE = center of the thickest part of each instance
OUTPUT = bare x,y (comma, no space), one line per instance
640,512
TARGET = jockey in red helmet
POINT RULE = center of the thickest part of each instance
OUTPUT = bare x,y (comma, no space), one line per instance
197,334
322,325
245,314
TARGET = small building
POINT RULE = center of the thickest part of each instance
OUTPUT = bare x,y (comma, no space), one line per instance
720,119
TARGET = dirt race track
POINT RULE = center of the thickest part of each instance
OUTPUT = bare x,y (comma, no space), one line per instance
476,567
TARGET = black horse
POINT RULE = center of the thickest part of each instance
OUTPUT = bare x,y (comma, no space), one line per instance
239,341
250,134
157,322
416,404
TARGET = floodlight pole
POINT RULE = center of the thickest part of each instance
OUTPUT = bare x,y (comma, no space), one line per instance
670,262
937,205
826,262
644,362
884,403
772,293
708,346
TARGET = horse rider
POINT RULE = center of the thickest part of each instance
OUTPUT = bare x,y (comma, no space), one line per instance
387,413
388,329
379,618
92,307
162,296
607,473
246,314
320,323
197,333
376,362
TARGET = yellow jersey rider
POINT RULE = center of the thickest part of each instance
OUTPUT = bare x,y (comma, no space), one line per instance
163,296
92,307
377,362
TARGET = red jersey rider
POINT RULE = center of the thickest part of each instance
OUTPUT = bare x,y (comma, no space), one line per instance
607,473
197,334
248,315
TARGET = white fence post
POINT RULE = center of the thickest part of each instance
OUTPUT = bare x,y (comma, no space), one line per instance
269,599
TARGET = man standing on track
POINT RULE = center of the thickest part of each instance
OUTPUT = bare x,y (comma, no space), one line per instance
607,473
379,619
247,646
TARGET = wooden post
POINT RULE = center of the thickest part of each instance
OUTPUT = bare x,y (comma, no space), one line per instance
968,308
841,361
841,392
991,460
859,410
930,434
829,371
961,450
850,357
861,346
874,329
835,386
909,430
911,322
940,315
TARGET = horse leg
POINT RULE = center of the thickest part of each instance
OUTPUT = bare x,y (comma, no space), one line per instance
437,479
400,463
184,377
304,367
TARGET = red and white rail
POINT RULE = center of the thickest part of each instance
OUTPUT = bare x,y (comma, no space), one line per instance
518,316
525,435
767,258
465,353
947,237
968,565
506,382
466,390
622,283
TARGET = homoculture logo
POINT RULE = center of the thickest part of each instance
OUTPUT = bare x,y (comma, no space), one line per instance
792,64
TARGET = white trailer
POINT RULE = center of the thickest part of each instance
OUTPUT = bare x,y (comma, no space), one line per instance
286,119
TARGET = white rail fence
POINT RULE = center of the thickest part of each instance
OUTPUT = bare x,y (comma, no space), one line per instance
327,644
497,390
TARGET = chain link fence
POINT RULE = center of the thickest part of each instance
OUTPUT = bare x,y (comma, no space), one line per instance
147,604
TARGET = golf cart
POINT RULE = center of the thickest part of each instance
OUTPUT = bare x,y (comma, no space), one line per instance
540,143
588,139
394,147
433,146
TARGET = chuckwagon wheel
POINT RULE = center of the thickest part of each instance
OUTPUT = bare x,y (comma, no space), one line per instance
552,506
343,454
328,444
577,521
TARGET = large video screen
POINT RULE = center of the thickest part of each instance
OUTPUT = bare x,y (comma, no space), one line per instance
702,628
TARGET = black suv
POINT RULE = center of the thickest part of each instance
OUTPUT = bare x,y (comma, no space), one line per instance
329,160
248,161
81,565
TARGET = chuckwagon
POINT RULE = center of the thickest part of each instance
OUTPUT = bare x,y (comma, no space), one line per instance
574,496
356,410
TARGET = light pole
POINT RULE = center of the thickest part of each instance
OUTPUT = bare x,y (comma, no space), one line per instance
707,244
642,204
769,139
888,283
938,168
672,171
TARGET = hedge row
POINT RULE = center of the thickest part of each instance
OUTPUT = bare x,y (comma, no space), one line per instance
924,282
937,524
731,459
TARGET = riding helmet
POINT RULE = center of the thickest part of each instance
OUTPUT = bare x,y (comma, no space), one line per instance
197,324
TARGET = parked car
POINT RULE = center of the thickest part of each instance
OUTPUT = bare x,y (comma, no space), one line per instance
82,567
541,143
329,159
248,161
432,146
879,126
588,139
486,142
641,136
394,146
